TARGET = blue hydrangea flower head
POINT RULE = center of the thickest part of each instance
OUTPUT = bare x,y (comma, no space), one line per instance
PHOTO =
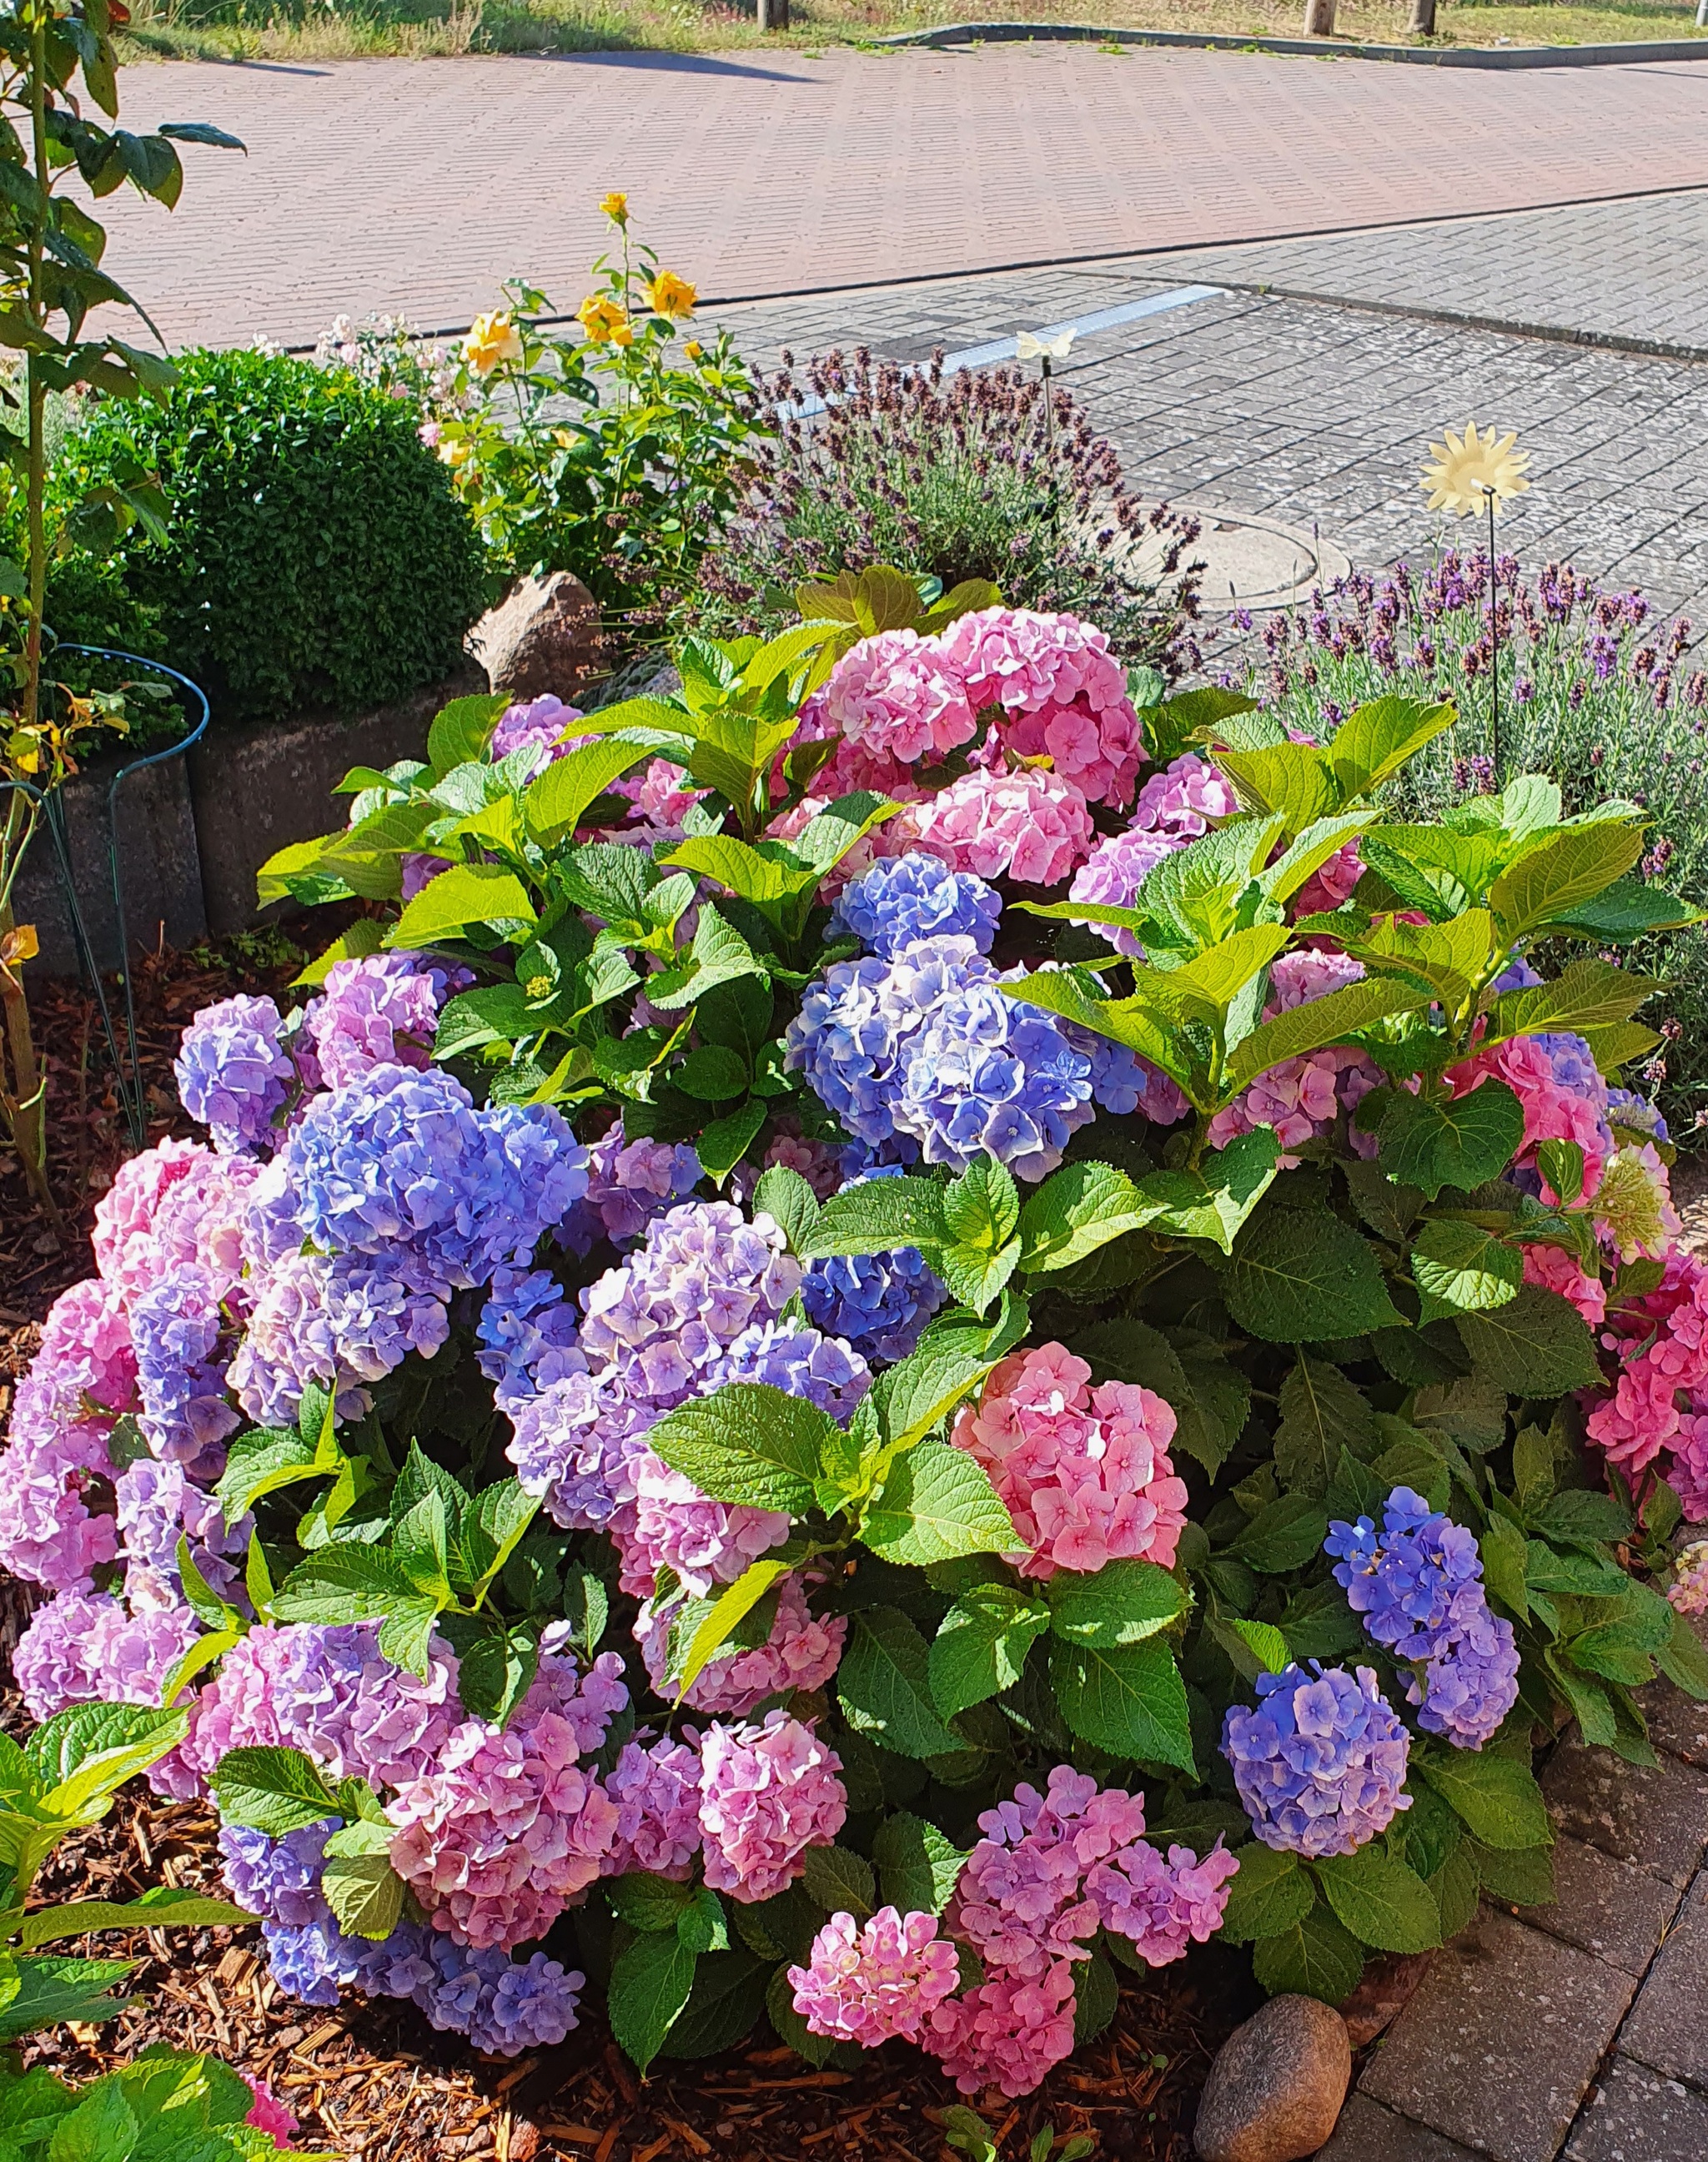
879,1303
1418,1584
233,1077
905,898
800,1362
280,1879
527,1328
1320,1765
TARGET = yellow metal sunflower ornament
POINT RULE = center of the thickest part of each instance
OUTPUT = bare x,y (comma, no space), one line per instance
1473,469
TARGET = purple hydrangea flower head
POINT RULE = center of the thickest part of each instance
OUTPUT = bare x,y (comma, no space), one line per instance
1625,1108
767,1794
279,1879
879,1303
703,1275
1162,1905
82,1647
1419,1585
1123,1081
538,721
801,1653
310,1961
334,1694
629,1184
402,1158
1183,797
656,1790
176,1327
575,1444
1111,876
157,1505
288,1344
233,1076
1320,1764
850,1039
528,1327
503,2006
381,1010
905,898
1022,1900
867,1986
800,1361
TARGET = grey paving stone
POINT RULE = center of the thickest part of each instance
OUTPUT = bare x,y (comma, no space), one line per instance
1676,1725
1668,2029
1655,1817
1636,2116
1500,2044
1605,1906
1368,2132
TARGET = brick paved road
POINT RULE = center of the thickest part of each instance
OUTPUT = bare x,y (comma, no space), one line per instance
420,184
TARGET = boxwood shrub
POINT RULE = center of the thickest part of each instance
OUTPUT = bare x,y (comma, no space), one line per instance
316,555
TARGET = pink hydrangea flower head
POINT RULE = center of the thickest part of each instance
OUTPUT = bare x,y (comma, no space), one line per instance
269,2115
1059,691
1332,884
767,1794
83,1375
1085,1473
1110,878
898,696
1302,1098
124,1216
801,1653
1022,1900
1007,2032
80,1648
1298,978
1564,1097
1161,1905
498,1840
656,1790
1688,1472
867,1986
1033,827
235,1711
544,721
674,1526
1556,1270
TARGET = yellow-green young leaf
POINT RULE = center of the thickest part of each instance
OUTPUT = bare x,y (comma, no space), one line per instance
739,868
1612,1047
462,730
1446,957
1586,994
786,650
1079,1208
1266,1642
1313,848
1375,741
1435,868
362,938
275,880
1323,1020
937,1503
165,1907
468,893
364,1892
1460,1269
1564,874
1209,985
727,1609
557,798
1294,779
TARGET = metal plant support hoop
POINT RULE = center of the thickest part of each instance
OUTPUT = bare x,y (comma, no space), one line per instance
127,1064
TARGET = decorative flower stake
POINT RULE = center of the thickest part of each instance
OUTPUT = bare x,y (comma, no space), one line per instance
1473,471
1033,345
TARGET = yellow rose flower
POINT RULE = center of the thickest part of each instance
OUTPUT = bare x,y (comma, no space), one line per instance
616,207
604,321
492,340
672,296
693,349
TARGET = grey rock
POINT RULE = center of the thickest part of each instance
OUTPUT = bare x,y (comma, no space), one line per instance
1499,2045
1605,1906
543,636
1636,2116
1276,2085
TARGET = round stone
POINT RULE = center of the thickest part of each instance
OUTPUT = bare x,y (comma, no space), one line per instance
1276,2085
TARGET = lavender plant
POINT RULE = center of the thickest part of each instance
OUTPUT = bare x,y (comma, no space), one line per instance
1594,692
986,475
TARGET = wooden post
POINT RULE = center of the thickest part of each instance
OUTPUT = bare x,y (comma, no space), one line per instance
1319,19
1422,19
773,14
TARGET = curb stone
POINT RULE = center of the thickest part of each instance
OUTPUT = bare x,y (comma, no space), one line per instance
1637,53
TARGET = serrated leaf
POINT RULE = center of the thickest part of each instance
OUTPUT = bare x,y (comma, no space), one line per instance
163,1907
1564,874
885,1685
1309,1027
1304,1279
748,1444
1536,1345
650,1981
1122,1603
1322,1413
1129,1701
878,1216
557,798
1079,1208
272,1790
981,1645
784,1196
468,893
1283,1535
1380,1901
840,1881
1497,1797
1430,1143
364,1892
918,1865
938,1503
646,1901
1460,1268
1317,1957
1270,1895
1377,739
725,1611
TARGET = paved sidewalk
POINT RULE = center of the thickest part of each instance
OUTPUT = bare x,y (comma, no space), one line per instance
1579,2027
419,185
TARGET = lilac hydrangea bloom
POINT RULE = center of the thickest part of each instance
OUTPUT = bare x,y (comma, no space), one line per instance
1110,878
157,1505
403,1158
656,1790
81,1647
629,1184
233,1076
84,1371
502,2005
176,1327
333,1693
1320,1764
381,1010
1419,1585
310,1959
528,1326
905,898
575,1445
540,722
802,1652
1124,1081
1022,1901
279,1879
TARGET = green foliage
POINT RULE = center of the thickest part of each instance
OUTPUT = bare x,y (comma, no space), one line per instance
316,555
166,2101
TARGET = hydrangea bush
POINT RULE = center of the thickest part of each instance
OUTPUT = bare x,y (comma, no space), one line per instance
888,1336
